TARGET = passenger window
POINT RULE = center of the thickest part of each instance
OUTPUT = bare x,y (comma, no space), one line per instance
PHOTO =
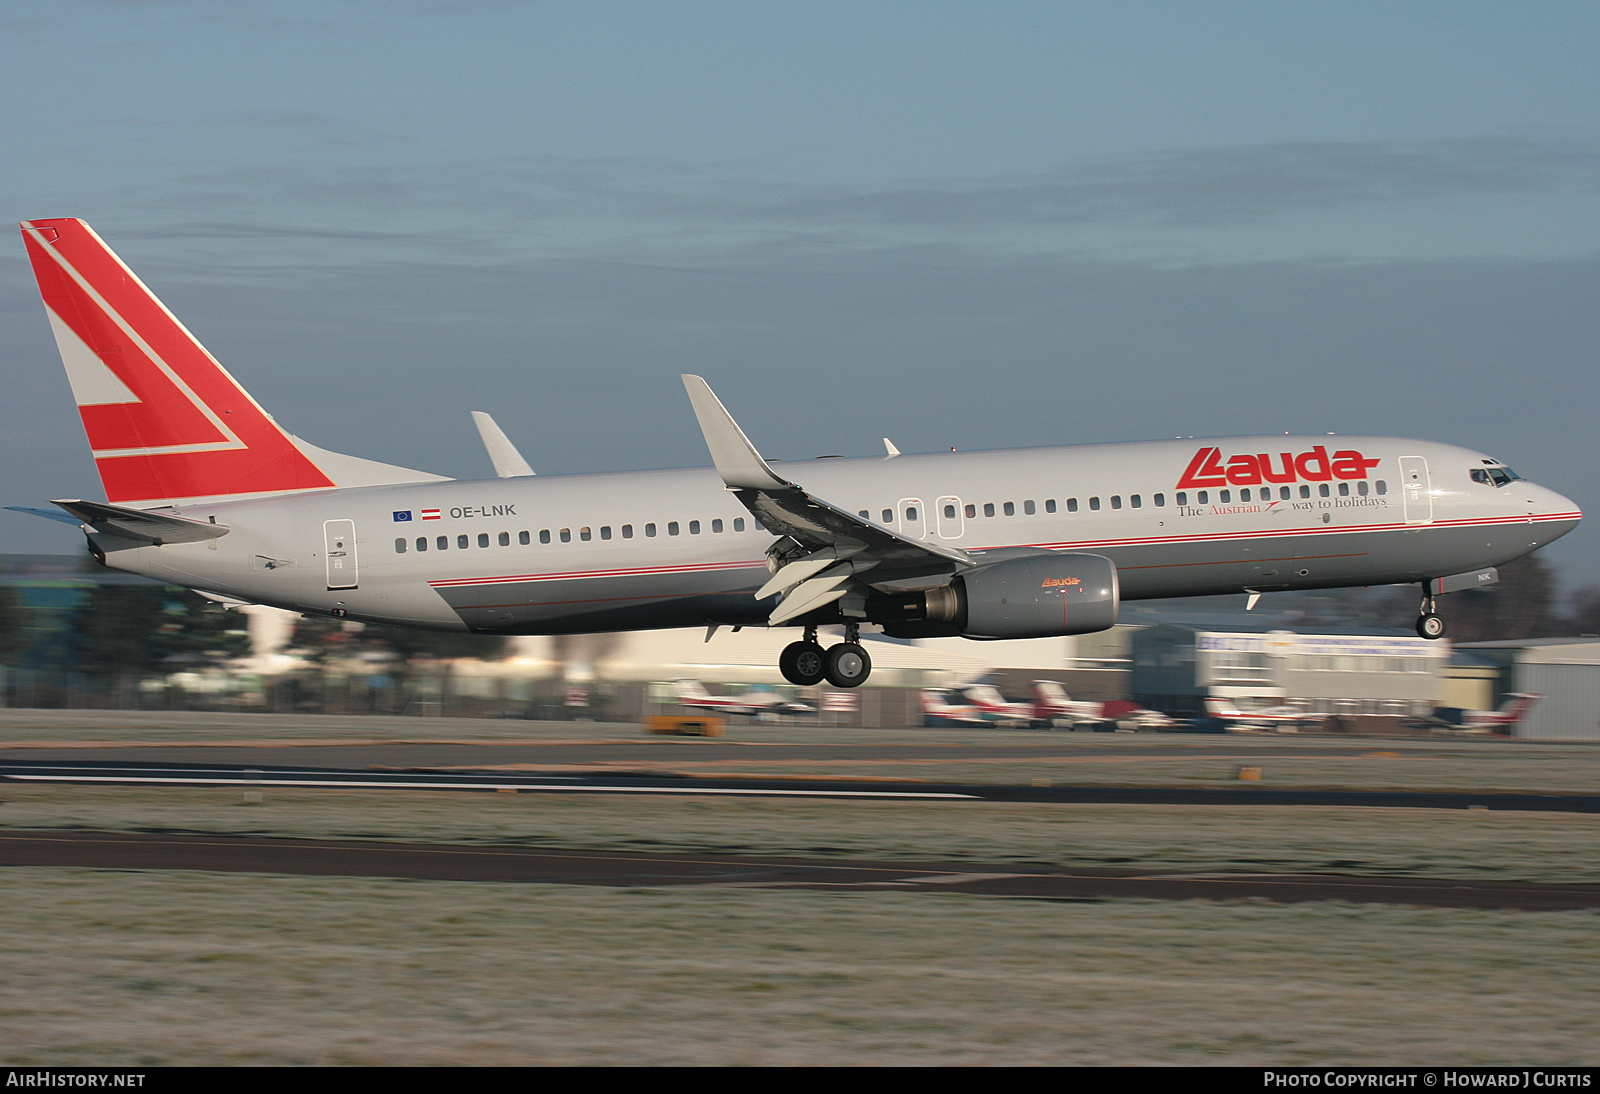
462,542
584,534
627,531
694,528
1305,491
1283,493
970,510
1135,501
988,508
672,527
566,535
483,539
1027,508
1203,497
605,531
443,543
1011,509
1361,487
911,512
1183,497
1072,505
716,526
863,515
888,516
649,530
1049,505
950,512
400,546
1344,490
522,538
1383,487
422,543
1244,495
738,524
1161,501
505,539
1225,496
1322,490
1094,503
544,535
1116,501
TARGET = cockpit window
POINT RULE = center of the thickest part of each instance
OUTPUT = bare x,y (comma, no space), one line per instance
1494,476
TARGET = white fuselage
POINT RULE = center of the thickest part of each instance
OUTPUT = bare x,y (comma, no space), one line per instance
646,549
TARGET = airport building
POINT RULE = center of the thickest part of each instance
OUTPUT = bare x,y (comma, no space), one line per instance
1177,667
1563,672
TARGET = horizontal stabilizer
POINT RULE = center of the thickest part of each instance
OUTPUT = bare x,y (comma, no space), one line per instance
47,514
156,528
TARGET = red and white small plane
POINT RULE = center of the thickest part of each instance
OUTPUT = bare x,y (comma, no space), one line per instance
692,693
1053,706
937,710
1517,706
1284,719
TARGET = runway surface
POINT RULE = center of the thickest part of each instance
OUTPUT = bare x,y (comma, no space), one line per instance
654,783
350,858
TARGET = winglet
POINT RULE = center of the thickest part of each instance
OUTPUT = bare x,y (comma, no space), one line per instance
508,462
737,460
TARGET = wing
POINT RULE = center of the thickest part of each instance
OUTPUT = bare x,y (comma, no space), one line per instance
826,550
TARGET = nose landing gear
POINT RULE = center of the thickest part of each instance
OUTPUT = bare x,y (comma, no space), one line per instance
846,665
1429,623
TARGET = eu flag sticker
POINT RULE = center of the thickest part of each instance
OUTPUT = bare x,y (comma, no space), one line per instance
403,514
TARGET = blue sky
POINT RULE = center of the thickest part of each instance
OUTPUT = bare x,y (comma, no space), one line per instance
984,225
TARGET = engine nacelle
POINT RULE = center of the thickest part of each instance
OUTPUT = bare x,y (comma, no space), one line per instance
1040,595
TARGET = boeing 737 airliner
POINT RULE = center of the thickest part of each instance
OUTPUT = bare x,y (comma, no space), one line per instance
204,489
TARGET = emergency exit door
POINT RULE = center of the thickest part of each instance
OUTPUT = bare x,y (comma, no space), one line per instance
1414,490
339,548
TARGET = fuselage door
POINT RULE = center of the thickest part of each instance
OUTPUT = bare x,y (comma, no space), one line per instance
339,547
949,517
1414,489
913,521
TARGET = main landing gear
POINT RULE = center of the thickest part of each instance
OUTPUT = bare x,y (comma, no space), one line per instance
844,666
1429,623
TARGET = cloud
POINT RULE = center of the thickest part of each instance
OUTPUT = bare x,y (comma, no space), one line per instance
1221,185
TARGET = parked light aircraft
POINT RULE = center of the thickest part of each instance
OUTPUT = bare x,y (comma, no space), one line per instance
1285,718
693,693
1054,707
937,710
204,489
1512,713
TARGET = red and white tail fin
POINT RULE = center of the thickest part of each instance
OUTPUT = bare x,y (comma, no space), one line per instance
166,422
1516,708
1050,695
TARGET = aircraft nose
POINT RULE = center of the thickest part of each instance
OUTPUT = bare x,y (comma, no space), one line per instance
1557,505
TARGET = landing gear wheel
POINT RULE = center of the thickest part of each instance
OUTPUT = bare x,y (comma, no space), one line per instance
802,663
1430,626
848,665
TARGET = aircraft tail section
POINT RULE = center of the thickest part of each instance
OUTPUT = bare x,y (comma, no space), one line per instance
166,422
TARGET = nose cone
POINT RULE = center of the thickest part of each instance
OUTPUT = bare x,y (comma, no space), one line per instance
1553,513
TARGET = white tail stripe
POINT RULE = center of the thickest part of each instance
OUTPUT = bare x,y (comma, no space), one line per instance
93,384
